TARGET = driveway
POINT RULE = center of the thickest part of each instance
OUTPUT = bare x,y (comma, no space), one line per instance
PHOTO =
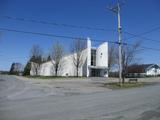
14,87
75,100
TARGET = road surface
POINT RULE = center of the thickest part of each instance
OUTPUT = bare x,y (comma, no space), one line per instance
23,100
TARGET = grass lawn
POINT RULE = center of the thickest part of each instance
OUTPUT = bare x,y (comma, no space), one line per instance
126,85
53,77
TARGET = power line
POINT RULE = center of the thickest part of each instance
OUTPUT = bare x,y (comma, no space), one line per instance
52,35
141,37
144,33
144,47
69,37
56,24
85,27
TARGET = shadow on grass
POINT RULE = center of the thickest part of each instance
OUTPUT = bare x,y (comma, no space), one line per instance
126,85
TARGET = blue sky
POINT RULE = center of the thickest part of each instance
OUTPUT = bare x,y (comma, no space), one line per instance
137,17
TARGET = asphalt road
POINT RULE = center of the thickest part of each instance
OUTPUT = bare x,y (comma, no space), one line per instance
22,100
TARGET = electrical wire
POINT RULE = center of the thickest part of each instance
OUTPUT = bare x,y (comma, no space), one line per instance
69,37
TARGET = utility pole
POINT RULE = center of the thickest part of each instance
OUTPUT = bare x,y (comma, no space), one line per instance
120,44
116,9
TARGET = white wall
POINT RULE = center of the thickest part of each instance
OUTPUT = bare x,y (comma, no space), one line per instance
34,69
47,69
67,67
153,72
102,55
88,56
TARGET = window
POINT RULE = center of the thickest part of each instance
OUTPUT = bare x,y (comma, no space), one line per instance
93,57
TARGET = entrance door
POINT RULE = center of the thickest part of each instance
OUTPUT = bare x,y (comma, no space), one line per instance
95,73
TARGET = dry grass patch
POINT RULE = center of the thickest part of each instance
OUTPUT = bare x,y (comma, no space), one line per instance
126,85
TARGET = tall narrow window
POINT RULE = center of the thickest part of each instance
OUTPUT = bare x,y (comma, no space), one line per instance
93,57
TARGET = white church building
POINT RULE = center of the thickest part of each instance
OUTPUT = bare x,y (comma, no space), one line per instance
95,63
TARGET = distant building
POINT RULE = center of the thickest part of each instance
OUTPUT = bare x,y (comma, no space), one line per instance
143,70
16,69
95,63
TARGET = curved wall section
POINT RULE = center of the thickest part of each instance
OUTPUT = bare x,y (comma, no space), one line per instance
102,55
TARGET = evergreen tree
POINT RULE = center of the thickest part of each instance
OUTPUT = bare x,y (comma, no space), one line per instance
27,69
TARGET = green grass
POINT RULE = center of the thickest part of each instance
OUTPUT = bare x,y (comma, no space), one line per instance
126,85
52,77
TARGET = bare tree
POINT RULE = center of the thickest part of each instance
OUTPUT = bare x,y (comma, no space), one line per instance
111,57
36,54
129,57
77,50
56,56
